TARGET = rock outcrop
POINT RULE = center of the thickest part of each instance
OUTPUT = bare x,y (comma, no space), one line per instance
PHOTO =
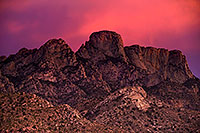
107,82
101,46
159,64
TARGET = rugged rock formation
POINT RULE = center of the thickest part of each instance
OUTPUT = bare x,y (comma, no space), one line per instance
101,46
159,64
107,82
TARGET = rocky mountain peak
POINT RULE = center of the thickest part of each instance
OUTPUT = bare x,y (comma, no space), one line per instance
105,40
54,46
50,42
101,45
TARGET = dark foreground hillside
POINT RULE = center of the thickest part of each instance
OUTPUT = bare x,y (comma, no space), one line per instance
103,87
28,112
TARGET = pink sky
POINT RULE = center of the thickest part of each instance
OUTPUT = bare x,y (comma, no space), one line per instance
171,24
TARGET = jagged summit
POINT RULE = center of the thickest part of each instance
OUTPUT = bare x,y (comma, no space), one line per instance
104,51
108,83
101,45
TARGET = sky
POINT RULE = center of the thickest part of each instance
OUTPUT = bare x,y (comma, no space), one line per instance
170,24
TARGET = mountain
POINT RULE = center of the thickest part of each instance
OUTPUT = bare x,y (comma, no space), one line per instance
130,89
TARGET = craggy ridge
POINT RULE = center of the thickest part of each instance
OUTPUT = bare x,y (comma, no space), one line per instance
129,89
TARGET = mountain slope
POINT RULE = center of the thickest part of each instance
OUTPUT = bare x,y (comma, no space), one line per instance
29,113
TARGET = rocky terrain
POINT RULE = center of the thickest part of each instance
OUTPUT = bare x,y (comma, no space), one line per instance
29,113
103,87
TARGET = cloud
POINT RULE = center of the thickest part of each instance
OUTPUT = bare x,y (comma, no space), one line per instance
142,19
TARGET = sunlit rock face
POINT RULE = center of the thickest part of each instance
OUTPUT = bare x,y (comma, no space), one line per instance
159,64
133,88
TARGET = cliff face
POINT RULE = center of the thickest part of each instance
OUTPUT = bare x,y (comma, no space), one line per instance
103,76
159,64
